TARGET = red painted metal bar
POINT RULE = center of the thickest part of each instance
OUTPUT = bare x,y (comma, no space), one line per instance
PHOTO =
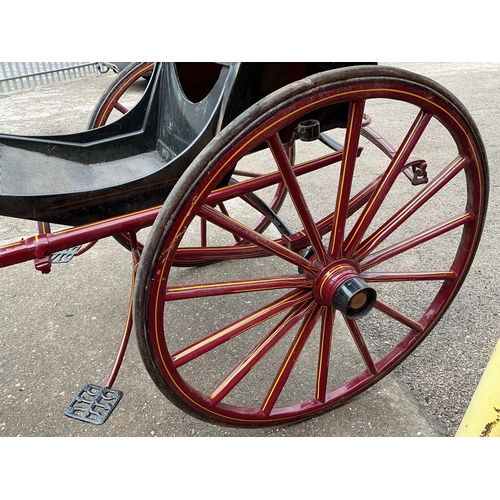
223,210
42,245
203,233
191,255
128,326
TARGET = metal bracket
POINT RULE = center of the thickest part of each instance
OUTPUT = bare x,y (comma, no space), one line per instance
419,174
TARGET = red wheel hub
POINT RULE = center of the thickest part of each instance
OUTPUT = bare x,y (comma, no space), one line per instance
340,285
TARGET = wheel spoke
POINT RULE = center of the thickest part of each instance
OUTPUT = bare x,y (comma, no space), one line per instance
408,243
120,107
266,180
203,233
411,207
223,210
246,233
204,345
362,197
410,276
297,196
324,353
231,287
290,360
190,255
360,344
355,203
395,167
353,132
259,351
413,325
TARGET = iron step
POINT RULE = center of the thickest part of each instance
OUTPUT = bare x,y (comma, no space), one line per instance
64,256
94,404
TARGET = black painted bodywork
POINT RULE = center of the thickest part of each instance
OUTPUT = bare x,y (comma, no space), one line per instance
133,163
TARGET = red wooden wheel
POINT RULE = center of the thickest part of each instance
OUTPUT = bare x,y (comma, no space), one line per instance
265,336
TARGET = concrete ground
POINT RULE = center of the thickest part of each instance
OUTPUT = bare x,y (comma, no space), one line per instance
61,330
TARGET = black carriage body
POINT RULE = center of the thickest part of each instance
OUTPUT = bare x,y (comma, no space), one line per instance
133,163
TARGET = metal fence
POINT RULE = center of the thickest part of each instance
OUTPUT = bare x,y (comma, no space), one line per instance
23,75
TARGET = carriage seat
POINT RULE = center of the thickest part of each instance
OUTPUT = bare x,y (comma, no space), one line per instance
123,167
